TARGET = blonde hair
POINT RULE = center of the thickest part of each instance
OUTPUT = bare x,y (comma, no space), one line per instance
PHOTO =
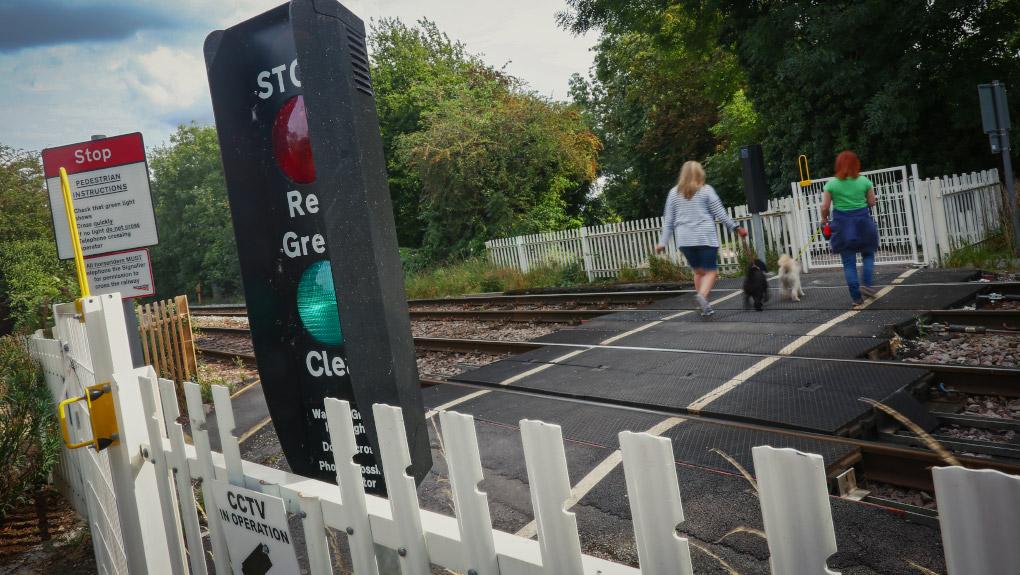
692,178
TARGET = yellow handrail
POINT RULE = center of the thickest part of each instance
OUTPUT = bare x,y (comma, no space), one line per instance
72,226
62,408
805,171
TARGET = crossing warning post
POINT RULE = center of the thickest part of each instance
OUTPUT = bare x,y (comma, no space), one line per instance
302,156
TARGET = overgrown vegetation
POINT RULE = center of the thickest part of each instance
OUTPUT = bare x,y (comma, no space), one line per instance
31,277
29,444
477,275
992,254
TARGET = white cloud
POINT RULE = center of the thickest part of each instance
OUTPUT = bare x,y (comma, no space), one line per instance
168,78
155,79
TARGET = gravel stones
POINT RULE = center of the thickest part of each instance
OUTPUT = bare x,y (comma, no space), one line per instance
964,349
490,330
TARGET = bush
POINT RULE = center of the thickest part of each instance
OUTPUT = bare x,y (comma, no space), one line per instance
479,275
992,254
31,280
661,269
29,441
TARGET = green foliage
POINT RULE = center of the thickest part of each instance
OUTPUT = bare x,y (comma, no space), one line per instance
31,280
414,70
653,97
992,254
894,81
629,274
29,444
744,262
196,240
31,277
497,163
738,125
475,275
24,202
661,269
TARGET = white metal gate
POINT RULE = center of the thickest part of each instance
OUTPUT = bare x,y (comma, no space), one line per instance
107,487
894,213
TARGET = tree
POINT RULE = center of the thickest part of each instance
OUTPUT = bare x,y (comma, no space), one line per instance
31,276
654,95
895,81
414,70
496,163
196,238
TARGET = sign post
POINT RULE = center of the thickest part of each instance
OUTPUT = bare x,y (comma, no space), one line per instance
112,202
995,121
306,178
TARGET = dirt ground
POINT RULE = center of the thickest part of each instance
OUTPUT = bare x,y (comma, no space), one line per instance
45,537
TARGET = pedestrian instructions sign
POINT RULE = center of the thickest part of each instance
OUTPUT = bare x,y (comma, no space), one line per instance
109,182
255,525
128,273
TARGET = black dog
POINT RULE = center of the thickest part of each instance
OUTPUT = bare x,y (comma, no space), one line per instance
756,285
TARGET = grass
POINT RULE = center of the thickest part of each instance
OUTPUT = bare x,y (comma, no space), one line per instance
993,254
478,275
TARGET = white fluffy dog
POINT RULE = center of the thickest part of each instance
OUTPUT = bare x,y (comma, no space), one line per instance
789,278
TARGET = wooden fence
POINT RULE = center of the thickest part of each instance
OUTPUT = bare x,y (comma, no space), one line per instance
167,340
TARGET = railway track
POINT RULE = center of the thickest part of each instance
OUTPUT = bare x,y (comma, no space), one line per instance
964,378
587,298
896,458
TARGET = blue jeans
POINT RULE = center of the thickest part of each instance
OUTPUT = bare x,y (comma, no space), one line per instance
850,271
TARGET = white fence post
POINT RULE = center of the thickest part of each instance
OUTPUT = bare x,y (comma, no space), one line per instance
353,515
389,424
586,253
167,496
979,519
471,505
145,544
795,510
550,489
522,254
655,504
206,471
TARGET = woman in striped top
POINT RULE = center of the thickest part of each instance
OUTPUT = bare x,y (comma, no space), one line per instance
692,208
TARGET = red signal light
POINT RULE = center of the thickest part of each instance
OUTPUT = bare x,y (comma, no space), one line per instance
292,146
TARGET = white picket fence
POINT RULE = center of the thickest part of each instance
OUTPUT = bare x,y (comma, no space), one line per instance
606,249
147,519
964,209
920,222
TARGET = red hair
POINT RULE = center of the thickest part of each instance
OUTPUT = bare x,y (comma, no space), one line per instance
848,165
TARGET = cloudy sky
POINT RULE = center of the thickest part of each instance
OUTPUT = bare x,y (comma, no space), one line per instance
73,68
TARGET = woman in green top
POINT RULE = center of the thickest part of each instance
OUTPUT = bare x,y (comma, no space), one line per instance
853,229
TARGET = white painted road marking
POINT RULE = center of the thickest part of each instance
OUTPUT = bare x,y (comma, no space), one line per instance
698,404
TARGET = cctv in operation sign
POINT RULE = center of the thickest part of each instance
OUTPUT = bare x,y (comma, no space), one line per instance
109,182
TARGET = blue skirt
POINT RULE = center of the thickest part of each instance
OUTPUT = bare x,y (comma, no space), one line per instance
853,231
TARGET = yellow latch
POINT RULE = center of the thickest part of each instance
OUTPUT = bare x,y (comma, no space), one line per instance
805,172
102,417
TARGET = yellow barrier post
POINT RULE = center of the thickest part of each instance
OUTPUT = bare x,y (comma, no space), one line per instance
805,172
72,226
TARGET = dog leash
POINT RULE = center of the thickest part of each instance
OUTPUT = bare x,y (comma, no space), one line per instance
808,245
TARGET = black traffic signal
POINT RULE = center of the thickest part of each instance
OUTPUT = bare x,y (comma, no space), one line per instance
756,188
302,156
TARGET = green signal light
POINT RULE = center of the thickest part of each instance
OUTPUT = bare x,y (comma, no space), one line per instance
316,304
